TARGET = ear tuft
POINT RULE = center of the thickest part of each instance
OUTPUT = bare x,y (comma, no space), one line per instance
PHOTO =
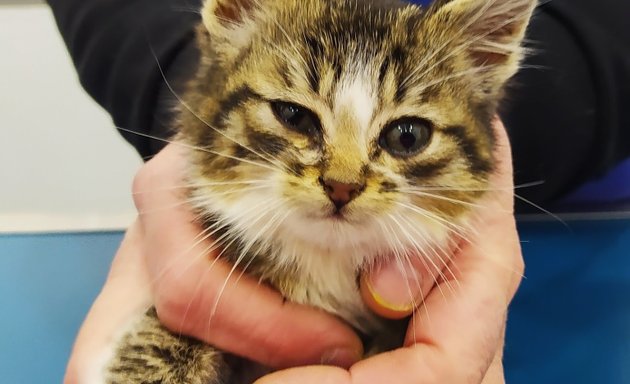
494,29
230,24
488,35
232,11
221,15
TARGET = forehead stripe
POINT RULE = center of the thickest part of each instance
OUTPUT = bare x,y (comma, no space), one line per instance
316,50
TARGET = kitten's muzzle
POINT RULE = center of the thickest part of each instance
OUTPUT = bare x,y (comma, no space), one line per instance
341,193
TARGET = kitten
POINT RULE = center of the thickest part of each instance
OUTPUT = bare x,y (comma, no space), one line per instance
331,134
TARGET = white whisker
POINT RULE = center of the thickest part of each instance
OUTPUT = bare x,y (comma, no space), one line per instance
242,253
421,252
434,217
199,185
553,215
196,148
445,198
196,115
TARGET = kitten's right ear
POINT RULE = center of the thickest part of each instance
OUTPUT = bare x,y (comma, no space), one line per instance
490,32
230,23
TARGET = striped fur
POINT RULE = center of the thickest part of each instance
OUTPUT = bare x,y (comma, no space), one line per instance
358,66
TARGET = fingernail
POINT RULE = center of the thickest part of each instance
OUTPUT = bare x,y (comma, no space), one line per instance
393,288
341,357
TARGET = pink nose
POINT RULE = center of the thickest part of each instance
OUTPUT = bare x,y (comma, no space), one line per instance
341,193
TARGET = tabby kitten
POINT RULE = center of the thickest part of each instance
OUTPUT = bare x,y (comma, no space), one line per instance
328,135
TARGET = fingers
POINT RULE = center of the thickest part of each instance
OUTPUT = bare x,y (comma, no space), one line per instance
462,326
402,366
495,374
393,291
319,374
383,374
199,295
455,334
124,294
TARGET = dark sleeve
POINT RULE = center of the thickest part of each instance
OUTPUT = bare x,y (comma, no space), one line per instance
116,46
568,110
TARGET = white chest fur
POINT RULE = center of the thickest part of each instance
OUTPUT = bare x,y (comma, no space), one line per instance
326,277
330,283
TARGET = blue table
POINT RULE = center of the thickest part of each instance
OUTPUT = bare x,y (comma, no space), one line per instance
570,321
47,284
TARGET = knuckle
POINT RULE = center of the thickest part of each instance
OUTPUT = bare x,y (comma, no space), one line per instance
517,275
140,184
440,374
450,369
520,264
176,304
188,308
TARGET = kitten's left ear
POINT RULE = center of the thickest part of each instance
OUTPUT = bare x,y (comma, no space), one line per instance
491,30
230,23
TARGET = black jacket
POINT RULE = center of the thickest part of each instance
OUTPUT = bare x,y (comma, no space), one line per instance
566,116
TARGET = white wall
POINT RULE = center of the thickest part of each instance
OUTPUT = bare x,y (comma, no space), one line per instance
63,166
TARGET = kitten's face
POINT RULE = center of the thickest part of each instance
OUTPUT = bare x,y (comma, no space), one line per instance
345,124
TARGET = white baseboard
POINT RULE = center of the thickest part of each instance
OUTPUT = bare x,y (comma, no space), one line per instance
46,223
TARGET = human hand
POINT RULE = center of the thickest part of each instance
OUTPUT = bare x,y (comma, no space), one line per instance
456,335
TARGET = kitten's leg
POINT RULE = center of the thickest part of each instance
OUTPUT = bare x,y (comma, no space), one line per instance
149,353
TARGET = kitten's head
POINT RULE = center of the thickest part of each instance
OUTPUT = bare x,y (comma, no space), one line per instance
352,125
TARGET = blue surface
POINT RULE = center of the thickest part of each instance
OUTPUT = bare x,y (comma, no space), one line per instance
47,284
570,321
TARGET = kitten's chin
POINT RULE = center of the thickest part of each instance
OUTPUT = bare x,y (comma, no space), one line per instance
334,217
334,231
360,236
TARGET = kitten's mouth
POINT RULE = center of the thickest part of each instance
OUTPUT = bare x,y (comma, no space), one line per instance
332,215
342,215
337,215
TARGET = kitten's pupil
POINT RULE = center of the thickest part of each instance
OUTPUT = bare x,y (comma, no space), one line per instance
296,117
405,137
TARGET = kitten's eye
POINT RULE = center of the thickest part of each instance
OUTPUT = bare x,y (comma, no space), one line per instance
405,137
296,117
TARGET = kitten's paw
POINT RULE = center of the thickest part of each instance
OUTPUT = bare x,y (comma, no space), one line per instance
149,353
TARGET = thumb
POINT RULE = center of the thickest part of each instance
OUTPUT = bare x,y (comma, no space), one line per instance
394,289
